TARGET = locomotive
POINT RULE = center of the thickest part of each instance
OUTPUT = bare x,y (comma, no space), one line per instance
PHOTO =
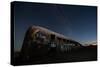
40,41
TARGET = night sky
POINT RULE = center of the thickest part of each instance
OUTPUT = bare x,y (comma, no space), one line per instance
77,22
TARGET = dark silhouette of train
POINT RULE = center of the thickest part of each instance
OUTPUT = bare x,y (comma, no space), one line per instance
39,42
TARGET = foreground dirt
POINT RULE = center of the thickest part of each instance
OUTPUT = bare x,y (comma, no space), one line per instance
83,54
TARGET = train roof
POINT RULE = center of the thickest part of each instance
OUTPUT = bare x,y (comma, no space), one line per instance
49,31
52,32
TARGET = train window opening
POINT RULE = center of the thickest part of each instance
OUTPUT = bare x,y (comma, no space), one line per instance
52,36
40,35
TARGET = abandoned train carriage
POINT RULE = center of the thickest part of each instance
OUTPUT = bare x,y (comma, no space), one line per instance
40,41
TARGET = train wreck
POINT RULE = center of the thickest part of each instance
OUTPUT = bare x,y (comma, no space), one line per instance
41,45
40,41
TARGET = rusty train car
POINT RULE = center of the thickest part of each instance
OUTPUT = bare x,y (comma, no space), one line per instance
40,41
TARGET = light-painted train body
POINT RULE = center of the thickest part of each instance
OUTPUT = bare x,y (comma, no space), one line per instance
40,41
